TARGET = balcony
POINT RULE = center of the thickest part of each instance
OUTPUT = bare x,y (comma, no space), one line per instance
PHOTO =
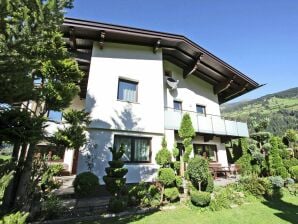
208,124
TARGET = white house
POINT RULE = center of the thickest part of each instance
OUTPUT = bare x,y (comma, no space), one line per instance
138,85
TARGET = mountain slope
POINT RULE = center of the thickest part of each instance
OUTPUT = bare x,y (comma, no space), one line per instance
280,108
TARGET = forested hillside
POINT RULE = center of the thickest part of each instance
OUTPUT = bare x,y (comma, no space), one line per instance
281,109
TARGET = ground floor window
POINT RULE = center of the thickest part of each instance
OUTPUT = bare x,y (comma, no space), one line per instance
137,149
207,151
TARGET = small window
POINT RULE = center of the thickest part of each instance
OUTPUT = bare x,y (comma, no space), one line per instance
137,149
54,115
207,151
127,90
177,105
201,109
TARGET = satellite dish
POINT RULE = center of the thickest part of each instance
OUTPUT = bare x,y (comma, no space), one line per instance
172,83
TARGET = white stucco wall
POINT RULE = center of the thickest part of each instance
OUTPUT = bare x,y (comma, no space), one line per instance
130,62
191,91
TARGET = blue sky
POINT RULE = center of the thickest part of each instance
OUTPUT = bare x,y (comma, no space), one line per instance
257,37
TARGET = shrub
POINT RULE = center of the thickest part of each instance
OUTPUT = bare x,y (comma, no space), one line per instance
144,194
179,182
47,179
254,185
172,194
210,184
14,218
276,181
166,176
288,163
226,197
163,157
86,184
114,180
117,204
289,181
52,207
244,161
294,172
198,171
200,198
282,171
176,166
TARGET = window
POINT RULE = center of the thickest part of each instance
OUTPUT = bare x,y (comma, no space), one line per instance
177,105
207,151
127,90
137,149
201,109
54,115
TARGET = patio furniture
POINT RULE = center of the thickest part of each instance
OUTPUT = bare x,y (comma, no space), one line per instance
217,168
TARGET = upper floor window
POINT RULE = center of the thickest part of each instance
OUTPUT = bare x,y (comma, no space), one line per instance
54,115
127,90
177,105
137,149
201,109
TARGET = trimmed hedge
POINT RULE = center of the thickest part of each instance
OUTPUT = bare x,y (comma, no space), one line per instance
294,172
172,194
86,184
166,176
200,198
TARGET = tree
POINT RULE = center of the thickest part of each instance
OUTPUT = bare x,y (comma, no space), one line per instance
198,171
186,132
35,67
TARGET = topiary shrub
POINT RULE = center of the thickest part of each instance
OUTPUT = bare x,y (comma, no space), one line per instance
164,156
294,172
288,163
166,176
282,171
200,198
198,171
172,194
15,218
276,181
179,182
117,204
86,184
209,184
52,207
176,166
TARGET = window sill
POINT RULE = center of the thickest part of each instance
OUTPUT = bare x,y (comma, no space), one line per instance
125,101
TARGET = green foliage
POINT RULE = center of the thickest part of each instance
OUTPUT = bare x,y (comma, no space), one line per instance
4,181
275,161
166,176
86,184
200,198
254,185
209,185
114,180
49,172
144,194
163,157
276,181
52,207
198,171
73,134
226,197
186,129
172,194
179,182
292,136
117,204
288,163
175,150
176,166
245,160
279,108
15,218
261,137
294,172
188,150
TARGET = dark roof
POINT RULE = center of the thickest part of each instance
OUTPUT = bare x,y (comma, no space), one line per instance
228,82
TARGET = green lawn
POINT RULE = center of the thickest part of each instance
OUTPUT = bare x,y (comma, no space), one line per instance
274,212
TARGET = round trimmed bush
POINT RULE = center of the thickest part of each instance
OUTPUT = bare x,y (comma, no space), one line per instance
116,163
179,182
294,172
163,157
86,184
210,184
172,194
200,198
117,204
116,172
276,181
198,170
166,176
